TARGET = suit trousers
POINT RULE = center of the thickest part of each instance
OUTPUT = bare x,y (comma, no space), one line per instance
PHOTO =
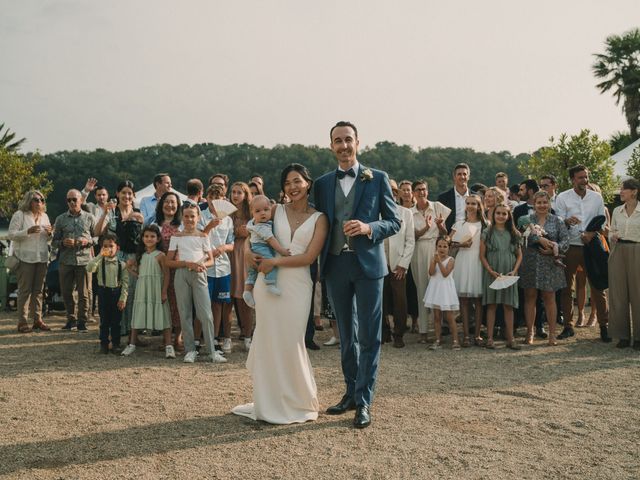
110,316
357,304
394,302
30,278
624,291
192,290
75,277
573,259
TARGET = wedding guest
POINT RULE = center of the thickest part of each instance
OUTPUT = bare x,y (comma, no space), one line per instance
578,206
168,219
405,199
126,223
527,190
221,180
539,273
548,183
468,273
220,231
162,184
492,197
514,195
398,249
624,267
101,194
255,189
441,294
500,254
454,198
259,181
478,189
30,235
241,198
73,236
428,222
502,183
195,193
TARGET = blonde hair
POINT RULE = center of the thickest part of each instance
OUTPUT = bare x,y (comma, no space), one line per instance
25,202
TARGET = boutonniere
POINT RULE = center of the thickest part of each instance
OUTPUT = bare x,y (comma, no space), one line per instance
366,175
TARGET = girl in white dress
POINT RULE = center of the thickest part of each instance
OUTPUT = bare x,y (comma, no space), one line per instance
468,273
284,389
441,293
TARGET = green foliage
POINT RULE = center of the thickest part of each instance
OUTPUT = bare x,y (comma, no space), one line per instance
17,177
71,169
619,67
6,140
582,149
633,164
619,141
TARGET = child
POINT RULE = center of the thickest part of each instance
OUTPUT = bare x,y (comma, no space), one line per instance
190,254
468,272
264,244
500,254
112,290
441,293
150,307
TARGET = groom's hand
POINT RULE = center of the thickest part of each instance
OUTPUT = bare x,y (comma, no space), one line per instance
353,228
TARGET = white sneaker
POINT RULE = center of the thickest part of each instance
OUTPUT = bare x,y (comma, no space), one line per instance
190,357
247,296
331,342
169,352
247,343
217,358
226,345
128,350
274,290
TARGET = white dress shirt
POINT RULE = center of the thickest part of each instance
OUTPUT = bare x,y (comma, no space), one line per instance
570,204
460,204
29,247
348,181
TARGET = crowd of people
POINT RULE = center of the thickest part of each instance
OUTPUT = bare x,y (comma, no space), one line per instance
376,250
443,260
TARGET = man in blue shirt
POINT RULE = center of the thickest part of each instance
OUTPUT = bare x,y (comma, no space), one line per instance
162,184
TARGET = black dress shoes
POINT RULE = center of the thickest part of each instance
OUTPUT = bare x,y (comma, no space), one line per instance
345,404
566,333
312,345
363,417
540,333
604,334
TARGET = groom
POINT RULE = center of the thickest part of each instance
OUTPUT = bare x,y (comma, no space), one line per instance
361,212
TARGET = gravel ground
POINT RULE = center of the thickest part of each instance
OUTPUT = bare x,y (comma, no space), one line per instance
566,412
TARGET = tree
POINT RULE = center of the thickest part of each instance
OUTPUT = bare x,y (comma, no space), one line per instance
619,141
17,176
6,139
633,164
619,67
582,149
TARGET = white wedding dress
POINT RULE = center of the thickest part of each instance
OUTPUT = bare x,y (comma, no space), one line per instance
284,389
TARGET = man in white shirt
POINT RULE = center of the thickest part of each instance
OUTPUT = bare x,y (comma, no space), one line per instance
578,207
454,199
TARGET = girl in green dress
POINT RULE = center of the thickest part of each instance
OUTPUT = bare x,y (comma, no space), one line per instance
150,307
500,254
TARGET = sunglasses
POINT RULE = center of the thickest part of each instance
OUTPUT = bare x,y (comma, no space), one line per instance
38,200
72,200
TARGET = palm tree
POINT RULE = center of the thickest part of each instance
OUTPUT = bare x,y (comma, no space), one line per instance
6,139
619,66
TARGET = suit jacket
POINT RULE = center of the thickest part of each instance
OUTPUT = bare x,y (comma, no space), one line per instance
401,244
373,204
448,199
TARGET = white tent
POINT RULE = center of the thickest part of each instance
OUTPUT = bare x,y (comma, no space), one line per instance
621,158
150,190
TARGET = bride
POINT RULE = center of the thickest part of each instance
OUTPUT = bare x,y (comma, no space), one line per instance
284,390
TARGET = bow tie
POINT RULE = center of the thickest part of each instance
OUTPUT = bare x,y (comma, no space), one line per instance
341,173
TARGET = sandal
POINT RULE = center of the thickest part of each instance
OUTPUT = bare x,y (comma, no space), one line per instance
489,344
24,328
528,340
478,341
455,345
552,341
466,342
435,345
41,326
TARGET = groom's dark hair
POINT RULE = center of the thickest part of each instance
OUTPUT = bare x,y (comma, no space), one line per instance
296,167
343,124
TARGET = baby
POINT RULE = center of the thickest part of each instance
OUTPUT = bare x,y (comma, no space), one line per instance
536,230
264,244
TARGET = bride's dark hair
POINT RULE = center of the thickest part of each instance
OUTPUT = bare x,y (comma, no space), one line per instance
296,167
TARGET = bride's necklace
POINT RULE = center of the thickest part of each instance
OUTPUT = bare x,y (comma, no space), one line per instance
296,216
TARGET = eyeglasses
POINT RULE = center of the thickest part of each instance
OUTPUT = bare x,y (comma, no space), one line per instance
545,185
72,200
37,200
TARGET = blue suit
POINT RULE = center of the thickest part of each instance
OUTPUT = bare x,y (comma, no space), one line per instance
354,279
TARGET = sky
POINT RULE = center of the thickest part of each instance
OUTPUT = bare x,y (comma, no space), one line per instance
492,75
